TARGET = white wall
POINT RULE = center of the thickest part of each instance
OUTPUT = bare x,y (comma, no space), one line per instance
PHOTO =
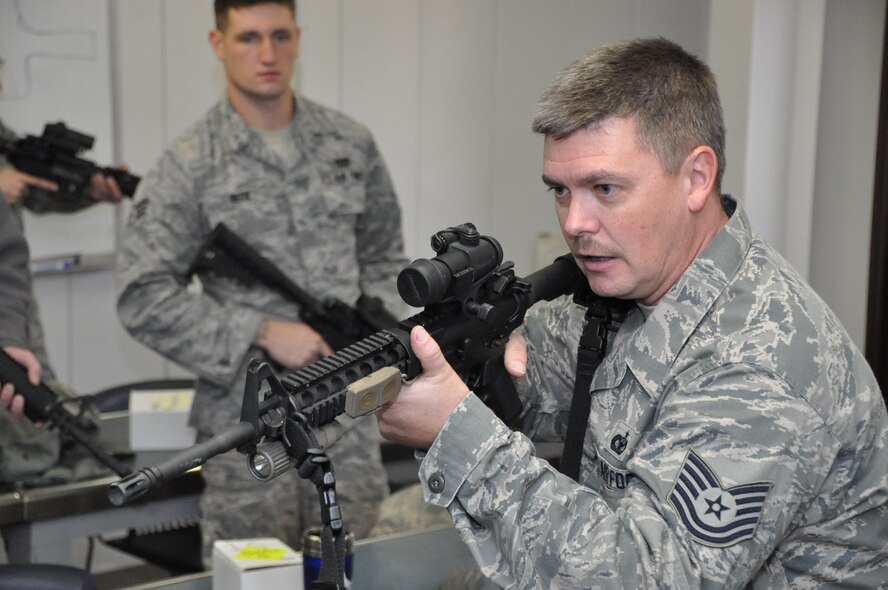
57,55
449,90
449,96
844,176
800,85
781,135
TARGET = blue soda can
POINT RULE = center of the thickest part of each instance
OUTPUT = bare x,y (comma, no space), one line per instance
311,556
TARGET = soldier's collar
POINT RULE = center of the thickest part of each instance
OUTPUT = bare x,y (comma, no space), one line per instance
656,343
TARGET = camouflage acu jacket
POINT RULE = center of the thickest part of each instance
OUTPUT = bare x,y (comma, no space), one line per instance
737,438
15,280
329,220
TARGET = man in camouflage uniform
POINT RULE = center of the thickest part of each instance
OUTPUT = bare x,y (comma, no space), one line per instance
24,450
20,189
37,195
307,187
737,438
15,282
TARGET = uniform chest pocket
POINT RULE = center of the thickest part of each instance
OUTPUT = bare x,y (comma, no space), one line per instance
619,418
249,208
342,200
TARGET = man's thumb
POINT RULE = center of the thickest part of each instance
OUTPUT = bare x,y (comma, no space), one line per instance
426,350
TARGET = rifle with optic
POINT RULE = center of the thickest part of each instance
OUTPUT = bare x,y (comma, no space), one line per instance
55,156
472,303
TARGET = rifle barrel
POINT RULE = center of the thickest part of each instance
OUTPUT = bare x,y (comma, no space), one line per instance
150,478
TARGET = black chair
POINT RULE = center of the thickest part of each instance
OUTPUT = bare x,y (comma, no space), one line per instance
34,576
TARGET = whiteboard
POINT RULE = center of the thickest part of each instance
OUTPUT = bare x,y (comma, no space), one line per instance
57,68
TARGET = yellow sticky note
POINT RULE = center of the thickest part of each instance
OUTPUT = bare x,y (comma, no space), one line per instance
172,402
260,553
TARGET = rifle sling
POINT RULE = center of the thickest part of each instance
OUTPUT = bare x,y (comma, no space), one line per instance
314,466
590,352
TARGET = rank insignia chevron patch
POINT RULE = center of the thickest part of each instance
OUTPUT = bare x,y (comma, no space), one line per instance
714,515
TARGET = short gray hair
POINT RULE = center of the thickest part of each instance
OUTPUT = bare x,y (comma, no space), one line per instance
671,94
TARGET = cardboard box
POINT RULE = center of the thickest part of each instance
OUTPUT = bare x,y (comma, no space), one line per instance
256,564
159,419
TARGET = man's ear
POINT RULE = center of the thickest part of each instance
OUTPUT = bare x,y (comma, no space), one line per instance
215,37
297,35
701,168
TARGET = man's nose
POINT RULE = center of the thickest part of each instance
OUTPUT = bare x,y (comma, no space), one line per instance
266,50
582,217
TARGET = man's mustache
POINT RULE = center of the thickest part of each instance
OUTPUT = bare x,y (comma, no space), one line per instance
585,245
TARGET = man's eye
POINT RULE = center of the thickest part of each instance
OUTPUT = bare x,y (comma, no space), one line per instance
282,36
248,37
558,191
606,190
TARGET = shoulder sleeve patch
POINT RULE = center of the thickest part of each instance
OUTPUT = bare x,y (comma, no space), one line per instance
138,211
715,515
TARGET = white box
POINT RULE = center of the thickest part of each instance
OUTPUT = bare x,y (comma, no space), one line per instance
159,419
256,564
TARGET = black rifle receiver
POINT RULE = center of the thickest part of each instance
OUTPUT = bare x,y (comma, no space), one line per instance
473,302
226,253
54,156
42,404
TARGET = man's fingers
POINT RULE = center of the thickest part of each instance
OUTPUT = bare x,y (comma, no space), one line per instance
17,407
104,188
114,189
516,355
26,358
39,182
426,350
6,393
11,402
34,373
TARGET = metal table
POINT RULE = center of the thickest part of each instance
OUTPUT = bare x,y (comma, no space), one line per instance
39,524
417,560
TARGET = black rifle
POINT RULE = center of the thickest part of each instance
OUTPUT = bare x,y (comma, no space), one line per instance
54,156
472,304
42,404
339,324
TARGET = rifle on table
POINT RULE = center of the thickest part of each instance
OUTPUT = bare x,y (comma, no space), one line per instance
54,156
472,303
339,324
42,404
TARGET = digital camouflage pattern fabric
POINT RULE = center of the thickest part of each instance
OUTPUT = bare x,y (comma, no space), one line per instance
737,438
15,280
406,510
329,220
24,450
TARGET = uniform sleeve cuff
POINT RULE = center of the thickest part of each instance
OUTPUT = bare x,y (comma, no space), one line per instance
471,431
243,326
